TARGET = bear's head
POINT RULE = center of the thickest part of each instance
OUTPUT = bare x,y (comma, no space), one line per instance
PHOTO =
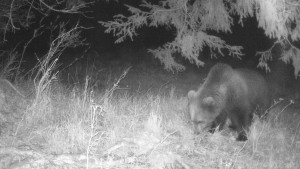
203,109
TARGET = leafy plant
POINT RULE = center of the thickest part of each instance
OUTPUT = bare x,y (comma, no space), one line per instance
195,21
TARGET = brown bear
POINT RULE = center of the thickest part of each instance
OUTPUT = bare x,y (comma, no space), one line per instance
228,94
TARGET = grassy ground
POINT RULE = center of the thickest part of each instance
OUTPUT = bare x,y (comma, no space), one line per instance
101,119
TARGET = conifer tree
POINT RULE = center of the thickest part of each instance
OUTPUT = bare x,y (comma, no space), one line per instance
194,20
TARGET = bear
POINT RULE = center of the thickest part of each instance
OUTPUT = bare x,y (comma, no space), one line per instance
228,94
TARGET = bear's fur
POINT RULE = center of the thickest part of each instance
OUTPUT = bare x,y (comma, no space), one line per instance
228,94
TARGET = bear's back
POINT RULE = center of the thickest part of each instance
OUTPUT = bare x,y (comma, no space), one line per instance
258,91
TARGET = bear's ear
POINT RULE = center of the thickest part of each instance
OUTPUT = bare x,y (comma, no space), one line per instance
209,101
191,94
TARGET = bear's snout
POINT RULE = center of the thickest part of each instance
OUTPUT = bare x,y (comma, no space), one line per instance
200,127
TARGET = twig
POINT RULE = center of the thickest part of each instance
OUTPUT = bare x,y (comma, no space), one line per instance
113,148
154,148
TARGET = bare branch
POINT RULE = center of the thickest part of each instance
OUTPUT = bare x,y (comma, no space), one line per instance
71,7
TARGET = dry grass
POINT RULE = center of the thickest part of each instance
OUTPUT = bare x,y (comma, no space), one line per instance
146,131
79,127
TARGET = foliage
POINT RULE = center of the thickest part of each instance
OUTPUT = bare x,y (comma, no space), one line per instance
196,22
13,16
22,14
46,67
